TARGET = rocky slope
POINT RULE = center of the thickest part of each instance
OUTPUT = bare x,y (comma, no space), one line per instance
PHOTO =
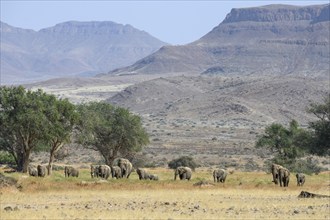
267,40
71,49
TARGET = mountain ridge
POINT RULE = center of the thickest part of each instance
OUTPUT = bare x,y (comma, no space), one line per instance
250,42
71,48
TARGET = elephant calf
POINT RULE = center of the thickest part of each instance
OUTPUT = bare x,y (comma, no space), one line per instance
116,172
153,177
143,175
300,179
284,176
41,170
94,171
219,175
70,171
32,171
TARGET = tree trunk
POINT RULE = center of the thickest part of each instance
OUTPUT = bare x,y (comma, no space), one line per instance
26,160
50,164
54,148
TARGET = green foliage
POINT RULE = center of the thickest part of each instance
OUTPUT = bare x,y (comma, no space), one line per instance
32,120
23,122
6,158
113,131
185,161
320,144
286,143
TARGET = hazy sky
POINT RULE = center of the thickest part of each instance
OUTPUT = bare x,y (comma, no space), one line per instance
175,22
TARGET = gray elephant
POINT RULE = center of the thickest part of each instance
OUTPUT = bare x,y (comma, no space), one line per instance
220,175
153,177
125,166
32,171
95,171
284,177
183,172
71,171
143,174
104,171
300,179
116,172
41,170
275,172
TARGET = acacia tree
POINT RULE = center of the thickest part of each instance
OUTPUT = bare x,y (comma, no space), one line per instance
320,128
112,131
284,142
23,122
62,117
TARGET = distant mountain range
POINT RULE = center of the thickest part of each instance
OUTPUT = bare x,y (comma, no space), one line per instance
267,40
71,49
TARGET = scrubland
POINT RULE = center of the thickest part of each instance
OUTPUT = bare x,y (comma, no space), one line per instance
245,195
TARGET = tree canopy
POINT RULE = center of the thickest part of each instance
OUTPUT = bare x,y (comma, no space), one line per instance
284,142
321,128
31,118
113,131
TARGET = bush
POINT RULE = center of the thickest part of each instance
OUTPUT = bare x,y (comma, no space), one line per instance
6,158
185,161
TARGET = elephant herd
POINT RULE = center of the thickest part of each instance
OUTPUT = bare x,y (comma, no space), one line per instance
37,171
282,175
124,168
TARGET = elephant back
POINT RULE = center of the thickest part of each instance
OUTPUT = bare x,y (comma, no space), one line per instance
32,171
71,171
183,172
116,172
41,170
104,171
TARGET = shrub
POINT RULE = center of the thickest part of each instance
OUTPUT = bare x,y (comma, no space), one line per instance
185,161
6,158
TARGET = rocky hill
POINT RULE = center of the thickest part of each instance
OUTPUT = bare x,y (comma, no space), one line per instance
267,40
71,49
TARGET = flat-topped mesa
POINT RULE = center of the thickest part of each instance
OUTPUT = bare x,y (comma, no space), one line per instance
274,13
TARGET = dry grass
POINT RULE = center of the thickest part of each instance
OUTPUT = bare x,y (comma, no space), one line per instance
244,196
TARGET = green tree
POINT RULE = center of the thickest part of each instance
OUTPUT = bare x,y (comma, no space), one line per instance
320,128
112,131
62,117
23,122
284,142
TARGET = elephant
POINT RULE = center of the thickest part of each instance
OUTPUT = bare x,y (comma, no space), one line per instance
143,175
220,175
300,179
116,172
284,177
32,171
41,170
125,166
153,177
71,171
183,172
275,172
104,171
95,171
